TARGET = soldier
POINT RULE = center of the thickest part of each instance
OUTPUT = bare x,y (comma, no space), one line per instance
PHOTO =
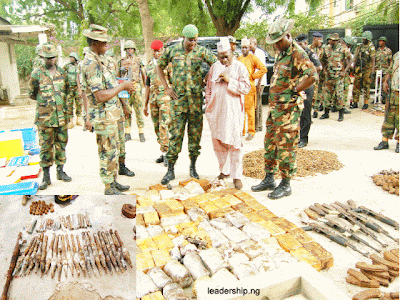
131,67
317,47
186,96
391,122
82,94
293,73
47,86
101,90
336,61
159,101
364,66
347,42
256,70
383,58
233,42
38,61
71,71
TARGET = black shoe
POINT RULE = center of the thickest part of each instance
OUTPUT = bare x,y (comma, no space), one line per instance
267,184
341,117
334,109
302,144
354,105
346,111
141,137
282,190
119,187
382,145
46,178
160,159
170,175
325,115
365,106
397,148
315,114
61,175
192,169
127,137
112,191
165,161
321,107
123,170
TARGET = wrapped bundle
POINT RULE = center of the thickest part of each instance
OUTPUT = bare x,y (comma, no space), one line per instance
166,194
154,230
176,253
178,273
237,219
225,278
255,231
188,248
141,210
251,248
144,285
174,220
234,234
181,193
173,291
220,223
194,188
282,258
141,232
213,260
217,238
241,266
193,263
201,285
196,214
159,278
264,263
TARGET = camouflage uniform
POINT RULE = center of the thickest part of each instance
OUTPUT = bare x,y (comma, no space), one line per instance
383,59
282,133
334,61
37,62
362,71
103,116
159,105
135,65
318,85
71,70
187,82
51,117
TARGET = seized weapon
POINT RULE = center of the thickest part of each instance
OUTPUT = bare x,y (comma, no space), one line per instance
28,257
115,252
124,250
335,238
106,246
64,257
69,256
95,252
59,258
53,266
21,258
90,251
89,265
32,261
10,271
119,249
104,257
43,257
379,217
49,255
81,257
76,257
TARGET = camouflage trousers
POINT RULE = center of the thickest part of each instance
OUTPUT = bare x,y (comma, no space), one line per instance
108,149
160,115
121,139
281,139
53,141
364,78
334,93
318,94
391,122
72,98
347,82
194,121
135,101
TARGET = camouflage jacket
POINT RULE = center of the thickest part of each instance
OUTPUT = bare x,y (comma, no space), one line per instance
133,68
111,64
71,70
363,57
394,72
156,87
317,50
37,62
290,67
187,75
383,59
50,95
96,76
334,60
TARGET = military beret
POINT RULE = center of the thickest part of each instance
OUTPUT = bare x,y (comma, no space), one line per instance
317,35
302,37
382,38
190,31
156,45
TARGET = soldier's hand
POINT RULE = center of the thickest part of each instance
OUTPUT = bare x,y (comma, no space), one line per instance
303,95
129,86
146,110
224,77
170,92
88,125
126,112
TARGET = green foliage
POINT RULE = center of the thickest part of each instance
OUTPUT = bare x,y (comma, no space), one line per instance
25,56
308,20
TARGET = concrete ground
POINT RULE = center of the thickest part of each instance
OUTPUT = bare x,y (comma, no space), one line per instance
352,140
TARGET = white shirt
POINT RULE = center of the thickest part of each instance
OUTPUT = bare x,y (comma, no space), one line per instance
261,56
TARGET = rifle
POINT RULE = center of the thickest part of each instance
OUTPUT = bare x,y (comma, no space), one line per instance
370,212
11,268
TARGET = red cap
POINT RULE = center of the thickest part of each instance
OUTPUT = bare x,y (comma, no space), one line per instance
156,45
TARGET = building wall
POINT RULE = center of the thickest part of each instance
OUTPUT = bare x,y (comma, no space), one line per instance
9,82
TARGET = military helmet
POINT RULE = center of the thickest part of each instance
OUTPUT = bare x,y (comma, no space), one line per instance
382,38
367,35
328,37
348,40
74,55
129,45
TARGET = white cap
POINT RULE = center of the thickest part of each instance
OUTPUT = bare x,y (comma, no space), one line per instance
223,45
245,42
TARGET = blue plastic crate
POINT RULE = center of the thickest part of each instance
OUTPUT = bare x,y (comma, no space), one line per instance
21,188
29,135
18,161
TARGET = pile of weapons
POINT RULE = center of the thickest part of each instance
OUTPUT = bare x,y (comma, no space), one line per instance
347,220
101,252
70,222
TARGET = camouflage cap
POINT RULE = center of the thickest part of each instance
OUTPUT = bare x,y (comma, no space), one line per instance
97,33
348,40
334,36
367,35
278,30
190,31
48,50
328,37
129,45
74,55
382,38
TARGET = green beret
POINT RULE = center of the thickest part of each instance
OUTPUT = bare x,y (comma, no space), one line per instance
190,31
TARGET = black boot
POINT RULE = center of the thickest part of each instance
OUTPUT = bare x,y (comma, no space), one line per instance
46,178
61,175
170,175
321,107
119,186
282,190
160,159
302,143
141,137
325,115
397,148
192,170
382,145
165,161
315,114
123,170
111,190
346,111
127,137
354,105
334,109
341,112
268,183
365,106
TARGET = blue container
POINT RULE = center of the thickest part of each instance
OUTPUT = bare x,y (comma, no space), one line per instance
29,135
21,188
34,151
18,161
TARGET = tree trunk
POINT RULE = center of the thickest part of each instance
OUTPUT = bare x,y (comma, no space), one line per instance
147,26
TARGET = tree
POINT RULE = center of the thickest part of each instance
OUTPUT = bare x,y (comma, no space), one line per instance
147,26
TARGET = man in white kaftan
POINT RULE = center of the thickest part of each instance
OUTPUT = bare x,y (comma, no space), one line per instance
227,83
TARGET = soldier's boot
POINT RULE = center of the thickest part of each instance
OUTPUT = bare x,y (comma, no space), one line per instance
334,109
165,161
123,170
346,111
341,117
127,137
61,175
192,169
354,105
321,107
141,137
160,159
315,114
397,148
282,190
108,190
325,115
382,145
170,175
46,178
119,187
268,183
365,106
